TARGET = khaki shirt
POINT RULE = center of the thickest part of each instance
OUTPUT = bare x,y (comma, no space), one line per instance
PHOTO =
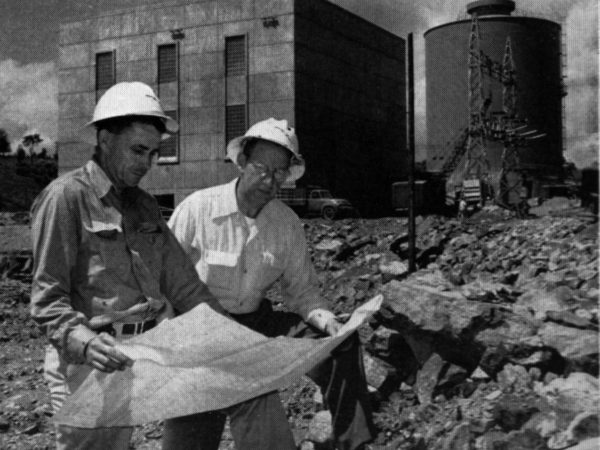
96,252
240,258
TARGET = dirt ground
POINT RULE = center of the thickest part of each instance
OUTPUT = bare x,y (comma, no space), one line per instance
25,414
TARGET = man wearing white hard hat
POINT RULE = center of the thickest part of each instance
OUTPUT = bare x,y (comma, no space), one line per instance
241,240
106,266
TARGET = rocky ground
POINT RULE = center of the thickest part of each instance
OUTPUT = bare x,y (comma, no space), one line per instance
491,344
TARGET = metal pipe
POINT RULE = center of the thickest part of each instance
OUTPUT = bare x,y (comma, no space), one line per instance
410,133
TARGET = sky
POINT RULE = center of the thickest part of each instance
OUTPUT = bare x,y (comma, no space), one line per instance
29,53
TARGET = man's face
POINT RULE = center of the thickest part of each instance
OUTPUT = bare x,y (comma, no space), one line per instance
263,173
129,154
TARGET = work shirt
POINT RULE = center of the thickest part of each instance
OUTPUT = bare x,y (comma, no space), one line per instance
240,258
97,252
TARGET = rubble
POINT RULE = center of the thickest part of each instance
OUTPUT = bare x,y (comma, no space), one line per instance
491,344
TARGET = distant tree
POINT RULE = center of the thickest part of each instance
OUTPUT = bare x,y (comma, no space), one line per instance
44,153
4,143
30,141
21,155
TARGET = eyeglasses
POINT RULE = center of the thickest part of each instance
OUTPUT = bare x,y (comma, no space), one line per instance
279,175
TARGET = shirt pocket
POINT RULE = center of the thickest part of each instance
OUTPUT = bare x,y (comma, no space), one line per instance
222,268
150,245
271,265
107,243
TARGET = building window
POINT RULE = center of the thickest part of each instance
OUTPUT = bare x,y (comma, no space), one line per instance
235,55
105,71
167,63
168,151
235,121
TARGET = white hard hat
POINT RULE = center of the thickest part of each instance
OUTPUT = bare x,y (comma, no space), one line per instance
129,99
276,131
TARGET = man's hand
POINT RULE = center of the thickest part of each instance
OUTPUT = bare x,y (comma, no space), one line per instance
101,354
332,326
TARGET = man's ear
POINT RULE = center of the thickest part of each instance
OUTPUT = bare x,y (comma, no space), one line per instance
242,160
104,139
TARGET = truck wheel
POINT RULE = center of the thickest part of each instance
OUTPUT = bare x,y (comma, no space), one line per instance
328,213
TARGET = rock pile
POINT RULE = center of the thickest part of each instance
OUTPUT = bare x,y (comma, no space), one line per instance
492,344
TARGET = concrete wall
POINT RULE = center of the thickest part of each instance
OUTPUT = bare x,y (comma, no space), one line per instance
350,104
337,78
135,34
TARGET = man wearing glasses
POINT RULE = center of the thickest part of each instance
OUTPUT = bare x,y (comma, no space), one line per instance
241,240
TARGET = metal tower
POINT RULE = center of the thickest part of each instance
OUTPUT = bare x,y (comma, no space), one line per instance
477,162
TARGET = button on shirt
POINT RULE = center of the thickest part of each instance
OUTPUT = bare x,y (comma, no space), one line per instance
96,252
240,258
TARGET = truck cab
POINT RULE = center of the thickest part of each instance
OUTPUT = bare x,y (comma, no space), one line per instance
315,201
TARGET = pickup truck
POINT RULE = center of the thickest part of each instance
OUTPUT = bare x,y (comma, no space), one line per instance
315,201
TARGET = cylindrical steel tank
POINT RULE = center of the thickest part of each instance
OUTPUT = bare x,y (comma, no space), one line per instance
536,50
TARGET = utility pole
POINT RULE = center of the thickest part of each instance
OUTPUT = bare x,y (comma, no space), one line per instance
410,134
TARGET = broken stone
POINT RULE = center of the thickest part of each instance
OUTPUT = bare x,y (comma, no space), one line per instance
493,395
376,371
577,393
393,268
588,444
479,374
584,426
513,377
570,319
460,438
4,425
330,245
427,378
320,428
544,423
511,412
579,347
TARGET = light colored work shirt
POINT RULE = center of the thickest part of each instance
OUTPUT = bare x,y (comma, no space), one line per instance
240,258
97,252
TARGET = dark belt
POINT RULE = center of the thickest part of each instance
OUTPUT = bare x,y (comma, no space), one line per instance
129,329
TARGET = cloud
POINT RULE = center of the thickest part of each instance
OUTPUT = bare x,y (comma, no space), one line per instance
581,103
29,99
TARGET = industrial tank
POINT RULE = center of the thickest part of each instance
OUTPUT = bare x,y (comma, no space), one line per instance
536,52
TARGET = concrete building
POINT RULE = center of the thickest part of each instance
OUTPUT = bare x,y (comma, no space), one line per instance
219,66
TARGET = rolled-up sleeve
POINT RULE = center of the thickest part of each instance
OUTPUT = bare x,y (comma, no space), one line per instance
55,237
301,291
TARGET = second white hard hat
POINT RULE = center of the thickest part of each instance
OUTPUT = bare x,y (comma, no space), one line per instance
273,130
129,99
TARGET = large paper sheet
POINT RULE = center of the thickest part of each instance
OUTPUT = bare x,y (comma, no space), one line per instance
197,362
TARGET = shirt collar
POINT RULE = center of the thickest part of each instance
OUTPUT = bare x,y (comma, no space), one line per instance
98,179
228,200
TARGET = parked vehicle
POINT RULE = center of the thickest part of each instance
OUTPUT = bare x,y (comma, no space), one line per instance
315,201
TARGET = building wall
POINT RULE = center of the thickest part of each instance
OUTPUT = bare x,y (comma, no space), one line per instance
135,33
337,78
350,103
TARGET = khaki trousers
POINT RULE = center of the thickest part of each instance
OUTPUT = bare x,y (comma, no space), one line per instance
261,424
57,372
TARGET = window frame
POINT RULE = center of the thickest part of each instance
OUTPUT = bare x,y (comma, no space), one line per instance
227,76
171,159
113,54
175,47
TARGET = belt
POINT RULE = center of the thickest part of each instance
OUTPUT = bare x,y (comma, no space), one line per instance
118,329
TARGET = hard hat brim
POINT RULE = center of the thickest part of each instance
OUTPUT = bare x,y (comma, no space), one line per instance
89,132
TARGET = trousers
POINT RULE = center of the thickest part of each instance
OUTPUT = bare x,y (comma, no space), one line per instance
261,423
63,379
